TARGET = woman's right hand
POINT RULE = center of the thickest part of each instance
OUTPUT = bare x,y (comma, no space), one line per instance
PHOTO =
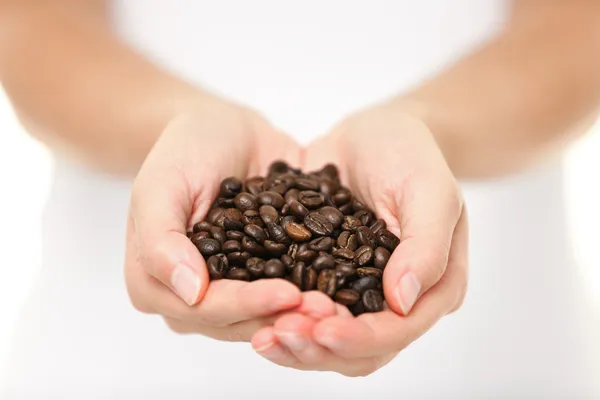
175,187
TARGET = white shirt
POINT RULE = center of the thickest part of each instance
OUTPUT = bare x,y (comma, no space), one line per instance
525,330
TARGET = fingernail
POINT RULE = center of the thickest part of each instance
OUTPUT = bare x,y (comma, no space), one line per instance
186,283
407,291
293,341
271,351
264,347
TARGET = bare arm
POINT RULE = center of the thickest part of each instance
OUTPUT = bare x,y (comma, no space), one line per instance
524,94
76,87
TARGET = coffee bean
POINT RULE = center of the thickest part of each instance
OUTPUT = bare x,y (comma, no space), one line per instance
357,309
253,247
274,269
278,168
252,217
369,271
365,236
350,223
307,184
297,232
306,255
255,232
218,234
321,244
216,216
318,224
274,248
256,267
387,239
363,255
254,185
245,202
372,301
328,188
285,210
329,171
224,202
230,187
298,210
341,281
365,283
271,199
277,233
347,240
346,269
298,273
293,250
208,247
323,262
347,297
310,279
230,246
366,217
268,214
377,226
286,220
333,215
202,226
189,234
346,209
238,258
235,235
342,196
196,237
381,257
327,282
239,274
287,261
311,199
232,220
358,205
291,196
217,266
343,254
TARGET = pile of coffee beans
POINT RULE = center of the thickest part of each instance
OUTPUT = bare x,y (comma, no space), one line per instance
306,228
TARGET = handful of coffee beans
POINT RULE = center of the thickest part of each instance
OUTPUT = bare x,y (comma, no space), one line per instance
303,227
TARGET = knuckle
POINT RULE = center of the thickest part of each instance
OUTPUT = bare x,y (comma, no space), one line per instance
210,319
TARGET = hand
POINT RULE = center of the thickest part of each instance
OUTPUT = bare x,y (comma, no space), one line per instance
391,161
175,187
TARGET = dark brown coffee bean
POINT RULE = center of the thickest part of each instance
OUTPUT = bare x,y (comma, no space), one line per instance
287,261
255,232
252,217
377,226
254,185
274,269
347,240
323,262
387,239
230,246
238,274
333,215
274,248
310,279
189,234
381,257
238,258
369,271
343,254
318,224
286,220
245,202
365,236
278,168
230,187
350,223
328,187
216,216
297,232
346,209
224,202
277,233
298,275
329,171
347,297
306,255
256,267
307,184
285,210
342,196
291,196
358,205
293,250
269,214
218,234
197,237
341,281
253,247
217,266
311,199
232,220
208,247
366,217
372,300
357,309
363,255
346,269
298,210
365,283
235,235
321,244
329,202
202,226
279,187
327,282
270,198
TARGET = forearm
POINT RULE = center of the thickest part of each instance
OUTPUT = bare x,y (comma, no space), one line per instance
527,92
79,89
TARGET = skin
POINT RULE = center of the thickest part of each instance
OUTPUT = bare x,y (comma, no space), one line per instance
523,95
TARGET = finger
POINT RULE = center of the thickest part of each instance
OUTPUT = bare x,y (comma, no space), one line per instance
428,215
294,331
238,332
317,305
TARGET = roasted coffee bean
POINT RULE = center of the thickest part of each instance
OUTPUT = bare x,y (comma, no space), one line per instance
285,210
235,235
381,257
365,283
208,247
346,209
372,300
358,205
287,261
268,214
216,216
274,248
298,210
274,268
333,215
253,247
311,199
279,187
278,168
369,271
365,236
291,196
350,223
307,184
327,282
256,267
218,234
387,239
342,196
329,171
357,309
202,226
321,244
271,199
286,220
197,237
341,280
230,187
252,217
347,297
310,279
328,188
293,250
277,233
218,266
238,274
298,273
346,269
363,255
254,185
245,202
189,234
255,232
318,224
232,220
328,202
230,246
323,262
343,254
224,202
238,258
306,256
366,217
297,232
347,240
377,226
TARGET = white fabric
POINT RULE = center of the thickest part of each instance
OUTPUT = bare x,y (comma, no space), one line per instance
526,329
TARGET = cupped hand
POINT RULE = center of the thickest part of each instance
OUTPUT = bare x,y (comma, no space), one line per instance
391,161
175,187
